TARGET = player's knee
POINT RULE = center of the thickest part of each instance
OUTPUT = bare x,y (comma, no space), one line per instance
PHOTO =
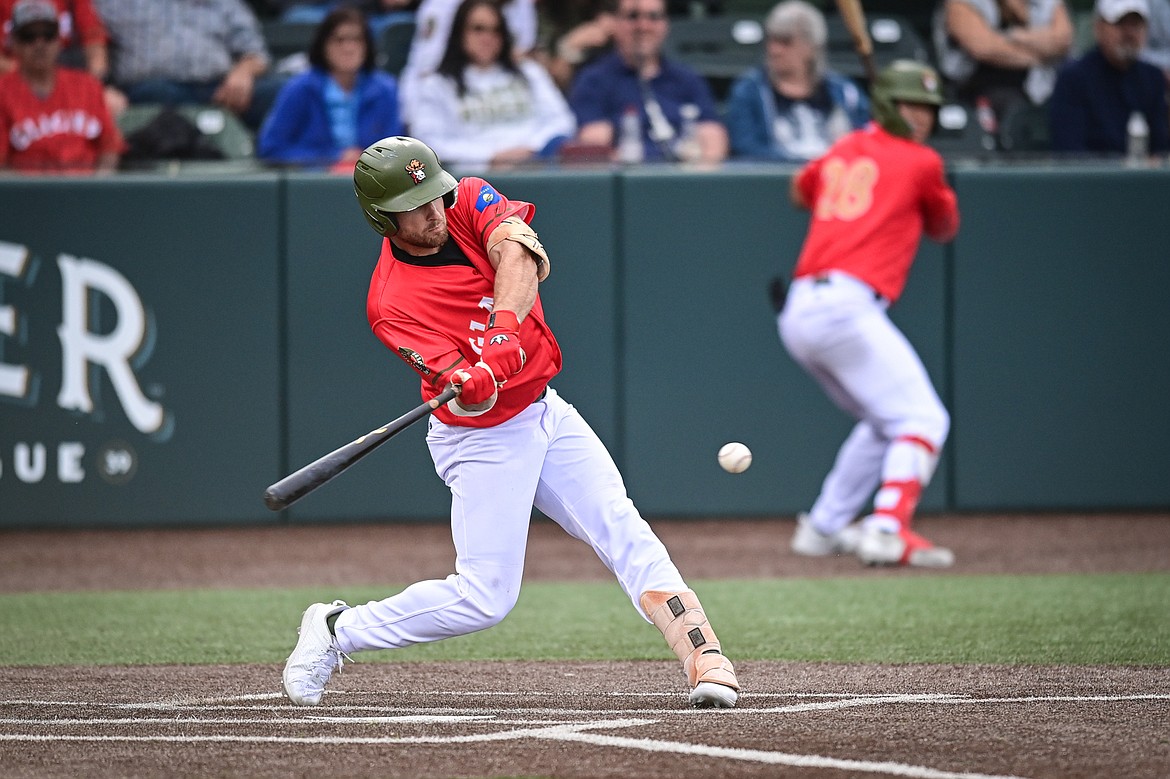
930,426
491,599
937,425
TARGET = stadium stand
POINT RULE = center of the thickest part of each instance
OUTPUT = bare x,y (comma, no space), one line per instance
201,134
894,37
719,48
958,133
1025,130
394,46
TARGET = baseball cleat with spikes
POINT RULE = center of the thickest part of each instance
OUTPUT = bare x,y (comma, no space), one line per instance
709,695
315,656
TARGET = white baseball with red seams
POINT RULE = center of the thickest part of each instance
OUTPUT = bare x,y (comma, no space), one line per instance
735,457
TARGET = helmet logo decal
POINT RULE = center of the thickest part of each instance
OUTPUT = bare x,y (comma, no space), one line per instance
929,82
415,359
417,170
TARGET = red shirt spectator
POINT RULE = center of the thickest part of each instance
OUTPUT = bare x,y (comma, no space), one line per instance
78,23
51,118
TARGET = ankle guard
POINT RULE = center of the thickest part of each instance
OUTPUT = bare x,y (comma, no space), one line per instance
680,617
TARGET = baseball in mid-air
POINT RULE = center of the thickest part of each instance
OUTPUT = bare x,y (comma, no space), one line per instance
735,457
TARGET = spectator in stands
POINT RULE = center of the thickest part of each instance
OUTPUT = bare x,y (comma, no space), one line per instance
432,29
482,107
636,82
178,52
81,32
1096,94
51,118
792,108
341,105
1002,52
578,31
84,43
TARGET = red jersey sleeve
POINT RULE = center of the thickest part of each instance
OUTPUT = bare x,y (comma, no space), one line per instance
940,206
808,182
478,210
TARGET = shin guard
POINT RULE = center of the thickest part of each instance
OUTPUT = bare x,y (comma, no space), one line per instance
680,617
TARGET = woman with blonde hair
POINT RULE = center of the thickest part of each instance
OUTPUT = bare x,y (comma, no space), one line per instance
793,108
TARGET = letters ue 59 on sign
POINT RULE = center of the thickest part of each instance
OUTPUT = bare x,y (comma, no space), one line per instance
123,341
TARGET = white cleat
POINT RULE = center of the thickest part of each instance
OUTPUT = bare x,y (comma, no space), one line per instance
810,542
905,547
709,695
315,656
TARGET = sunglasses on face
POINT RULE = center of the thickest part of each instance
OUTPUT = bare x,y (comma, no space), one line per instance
488,28
650,16
34,34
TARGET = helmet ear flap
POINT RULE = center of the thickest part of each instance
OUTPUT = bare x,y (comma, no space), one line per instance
449,198
382,221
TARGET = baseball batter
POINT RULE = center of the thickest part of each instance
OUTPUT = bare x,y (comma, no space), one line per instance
872,195
454,295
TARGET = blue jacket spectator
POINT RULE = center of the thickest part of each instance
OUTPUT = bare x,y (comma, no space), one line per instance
327,115
1096,94
636,81
792,109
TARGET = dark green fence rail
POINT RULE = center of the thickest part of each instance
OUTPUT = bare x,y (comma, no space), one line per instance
168,347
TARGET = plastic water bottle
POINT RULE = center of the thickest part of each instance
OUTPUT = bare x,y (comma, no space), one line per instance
687,147
629,148
1137,145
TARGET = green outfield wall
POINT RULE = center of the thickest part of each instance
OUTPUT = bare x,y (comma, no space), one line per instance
170,346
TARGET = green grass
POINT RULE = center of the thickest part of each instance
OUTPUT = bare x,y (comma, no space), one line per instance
1115,619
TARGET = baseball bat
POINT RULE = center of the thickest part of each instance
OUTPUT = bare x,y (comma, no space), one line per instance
296,485
854,17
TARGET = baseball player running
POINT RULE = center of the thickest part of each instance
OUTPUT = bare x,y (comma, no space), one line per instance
872,195
454,294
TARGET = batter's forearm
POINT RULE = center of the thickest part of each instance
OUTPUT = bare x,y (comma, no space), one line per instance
516,280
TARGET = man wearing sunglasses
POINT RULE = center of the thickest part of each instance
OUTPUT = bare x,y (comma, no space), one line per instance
635,78
51,118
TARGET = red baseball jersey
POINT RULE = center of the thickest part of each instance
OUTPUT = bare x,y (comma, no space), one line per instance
65,131
77,20
872,195
432,311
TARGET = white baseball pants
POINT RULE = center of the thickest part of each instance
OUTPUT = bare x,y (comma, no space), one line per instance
837,329
546,456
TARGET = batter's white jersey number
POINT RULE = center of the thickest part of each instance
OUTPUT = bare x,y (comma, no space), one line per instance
847,188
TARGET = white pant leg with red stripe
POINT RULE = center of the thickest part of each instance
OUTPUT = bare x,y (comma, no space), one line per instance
839,332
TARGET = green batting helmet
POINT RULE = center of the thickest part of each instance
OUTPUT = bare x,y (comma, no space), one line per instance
903,81
399,174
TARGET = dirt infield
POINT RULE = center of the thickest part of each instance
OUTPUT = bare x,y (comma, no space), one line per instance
621,719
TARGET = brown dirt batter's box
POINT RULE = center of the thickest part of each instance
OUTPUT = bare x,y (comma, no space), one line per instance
588,720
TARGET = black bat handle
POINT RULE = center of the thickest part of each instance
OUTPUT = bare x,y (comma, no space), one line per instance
296,485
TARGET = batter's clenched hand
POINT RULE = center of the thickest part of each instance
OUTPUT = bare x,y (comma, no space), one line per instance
478,386
501,346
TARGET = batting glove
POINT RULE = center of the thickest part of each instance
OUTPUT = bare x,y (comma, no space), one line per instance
478,390
501,345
